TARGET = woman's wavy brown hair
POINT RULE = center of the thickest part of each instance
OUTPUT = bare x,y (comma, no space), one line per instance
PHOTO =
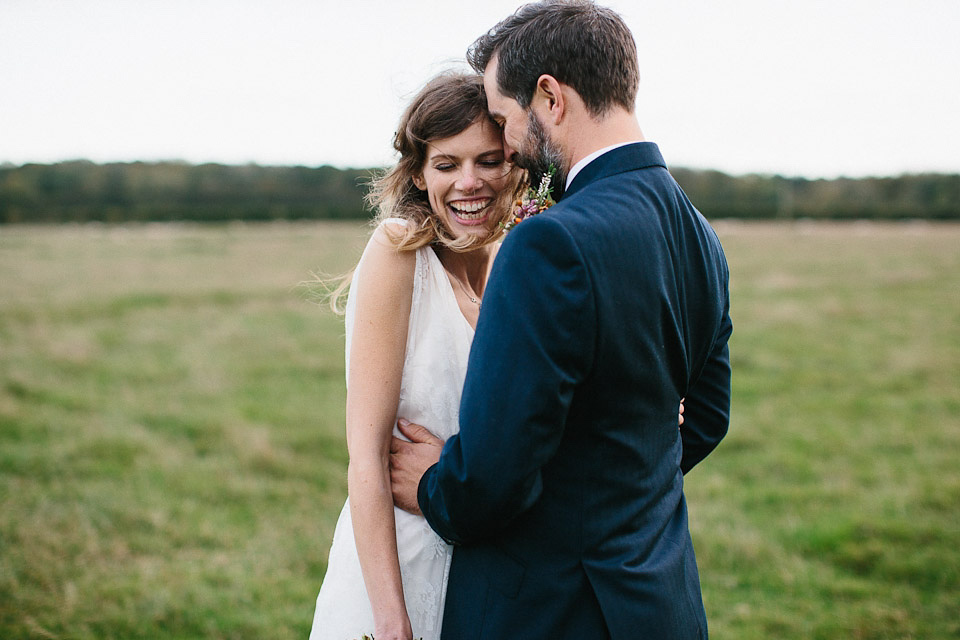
447,105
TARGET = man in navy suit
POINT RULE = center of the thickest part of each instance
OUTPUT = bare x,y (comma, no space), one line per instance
564,487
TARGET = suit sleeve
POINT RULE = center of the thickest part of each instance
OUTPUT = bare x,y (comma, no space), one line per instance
707,404
534,343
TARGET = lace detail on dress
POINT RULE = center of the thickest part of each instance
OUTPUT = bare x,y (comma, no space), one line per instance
419,277
435,364
440,548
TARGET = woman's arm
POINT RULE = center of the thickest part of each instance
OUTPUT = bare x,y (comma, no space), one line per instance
376,366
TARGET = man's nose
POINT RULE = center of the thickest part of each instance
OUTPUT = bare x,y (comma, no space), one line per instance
509,153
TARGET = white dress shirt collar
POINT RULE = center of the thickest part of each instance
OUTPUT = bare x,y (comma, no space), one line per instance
590,158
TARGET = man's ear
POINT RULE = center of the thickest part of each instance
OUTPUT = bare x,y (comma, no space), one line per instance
419,182
549,96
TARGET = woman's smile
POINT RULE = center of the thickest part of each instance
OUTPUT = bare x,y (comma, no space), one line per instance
472,211
463,176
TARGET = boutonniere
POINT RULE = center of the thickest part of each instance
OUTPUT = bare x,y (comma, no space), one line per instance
533,202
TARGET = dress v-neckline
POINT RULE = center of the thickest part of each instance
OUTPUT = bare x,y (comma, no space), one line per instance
452,291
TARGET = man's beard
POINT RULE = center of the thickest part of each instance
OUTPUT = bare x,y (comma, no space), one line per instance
539,154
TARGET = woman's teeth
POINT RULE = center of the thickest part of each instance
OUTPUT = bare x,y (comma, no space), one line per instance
470,210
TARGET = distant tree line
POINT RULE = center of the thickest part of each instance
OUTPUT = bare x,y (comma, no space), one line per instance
82,191
918,196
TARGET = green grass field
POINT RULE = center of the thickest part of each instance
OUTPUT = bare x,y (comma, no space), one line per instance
172,458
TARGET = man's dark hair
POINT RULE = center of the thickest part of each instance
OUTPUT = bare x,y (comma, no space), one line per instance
580,44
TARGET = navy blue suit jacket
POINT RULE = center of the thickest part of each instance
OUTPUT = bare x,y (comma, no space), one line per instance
564,487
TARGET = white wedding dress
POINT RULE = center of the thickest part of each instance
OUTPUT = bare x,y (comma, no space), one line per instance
438,344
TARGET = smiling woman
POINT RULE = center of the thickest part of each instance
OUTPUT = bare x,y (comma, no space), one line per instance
445,131
464,174
410,315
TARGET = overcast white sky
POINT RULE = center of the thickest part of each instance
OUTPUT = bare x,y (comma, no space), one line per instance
817,88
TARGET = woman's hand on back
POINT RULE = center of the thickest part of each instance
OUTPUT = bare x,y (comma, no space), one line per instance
394,628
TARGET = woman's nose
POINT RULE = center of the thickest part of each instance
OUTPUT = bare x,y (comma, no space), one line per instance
469,180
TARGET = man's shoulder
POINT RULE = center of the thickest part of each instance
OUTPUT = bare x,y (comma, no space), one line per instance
550,227
615,199
622,187
618,164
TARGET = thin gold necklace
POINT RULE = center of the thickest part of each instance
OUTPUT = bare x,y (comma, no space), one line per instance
476,301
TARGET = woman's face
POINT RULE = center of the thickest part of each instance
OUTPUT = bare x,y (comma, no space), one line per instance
463,175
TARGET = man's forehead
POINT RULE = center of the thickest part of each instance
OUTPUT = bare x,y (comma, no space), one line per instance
497,103
490,80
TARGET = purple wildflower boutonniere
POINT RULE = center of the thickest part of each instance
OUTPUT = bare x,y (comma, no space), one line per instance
533,202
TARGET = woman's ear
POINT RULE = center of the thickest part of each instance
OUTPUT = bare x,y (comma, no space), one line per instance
419,182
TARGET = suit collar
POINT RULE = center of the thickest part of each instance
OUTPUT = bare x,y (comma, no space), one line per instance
637,155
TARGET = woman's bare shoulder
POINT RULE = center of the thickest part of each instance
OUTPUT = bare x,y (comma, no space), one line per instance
386,270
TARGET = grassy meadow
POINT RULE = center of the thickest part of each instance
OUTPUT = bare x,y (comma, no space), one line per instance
172,457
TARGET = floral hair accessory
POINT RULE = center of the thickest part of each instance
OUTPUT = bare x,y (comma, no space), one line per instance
533,202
